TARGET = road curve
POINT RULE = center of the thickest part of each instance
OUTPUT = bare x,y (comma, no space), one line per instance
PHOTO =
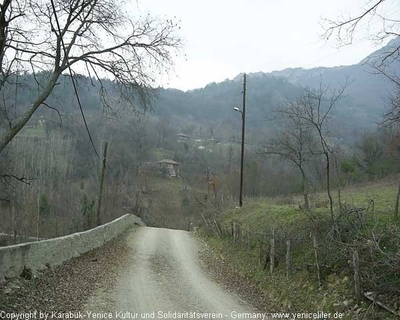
163,275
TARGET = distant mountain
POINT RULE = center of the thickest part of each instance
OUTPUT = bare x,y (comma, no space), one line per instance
368,89
359,111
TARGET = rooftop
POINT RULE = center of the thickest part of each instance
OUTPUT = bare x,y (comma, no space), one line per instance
168,161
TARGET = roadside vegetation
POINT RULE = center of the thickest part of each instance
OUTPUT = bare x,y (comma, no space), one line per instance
243,238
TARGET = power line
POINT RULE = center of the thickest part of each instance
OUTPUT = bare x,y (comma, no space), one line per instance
73,80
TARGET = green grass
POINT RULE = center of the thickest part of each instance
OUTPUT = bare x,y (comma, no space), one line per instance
384,196
34,132
261,214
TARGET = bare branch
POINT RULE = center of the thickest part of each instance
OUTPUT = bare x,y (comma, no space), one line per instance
20,179
96,34
344,29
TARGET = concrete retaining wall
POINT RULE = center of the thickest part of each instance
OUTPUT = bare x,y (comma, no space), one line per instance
36,255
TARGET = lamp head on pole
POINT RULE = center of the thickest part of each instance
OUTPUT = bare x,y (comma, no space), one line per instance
237,109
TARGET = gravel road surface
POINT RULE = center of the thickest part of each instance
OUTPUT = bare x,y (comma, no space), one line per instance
164,274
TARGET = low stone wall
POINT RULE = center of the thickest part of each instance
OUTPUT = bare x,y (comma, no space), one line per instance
38,255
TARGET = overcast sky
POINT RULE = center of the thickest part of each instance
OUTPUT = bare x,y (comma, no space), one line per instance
225,37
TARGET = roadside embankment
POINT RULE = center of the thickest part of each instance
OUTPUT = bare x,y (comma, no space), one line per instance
304,263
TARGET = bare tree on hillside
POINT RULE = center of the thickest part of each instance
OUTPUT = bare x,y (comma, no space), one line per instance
293,142
50,37
314,107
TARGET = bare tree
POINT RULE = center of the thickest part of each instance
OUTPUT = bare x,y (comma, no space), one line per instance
376,17
50,37
314,108
294,143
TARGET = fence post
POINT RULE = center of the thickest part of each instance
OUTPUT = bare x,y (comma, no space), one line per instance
356,265
260,249
317,258
287,259
272,253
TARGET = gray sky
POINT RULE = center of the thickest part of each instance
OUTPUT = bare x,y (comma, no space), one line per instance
225,37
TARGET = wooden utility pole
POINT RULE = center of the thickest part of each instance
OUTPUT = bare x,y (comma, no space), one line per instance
103,171
242,154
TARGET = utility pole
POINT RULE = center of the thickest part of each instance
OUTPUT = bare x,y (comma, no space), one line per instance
242,154
103,171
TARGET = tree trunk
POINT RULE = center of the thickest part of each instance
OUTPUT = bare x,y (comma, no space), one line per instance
328,186
339,182
305,191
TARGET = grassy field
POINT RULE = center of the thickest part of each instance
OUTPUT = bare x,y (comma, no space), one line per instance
34,132
282,211
301,291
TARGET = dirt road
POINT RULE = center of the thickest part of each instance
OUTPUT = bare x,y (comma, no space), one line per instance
164,275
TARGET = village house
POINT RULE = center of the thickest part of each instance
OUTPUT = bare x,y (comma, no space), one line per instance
171,167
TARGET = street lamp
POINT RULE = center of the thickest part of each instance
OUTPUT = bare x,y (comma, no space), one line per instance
243,112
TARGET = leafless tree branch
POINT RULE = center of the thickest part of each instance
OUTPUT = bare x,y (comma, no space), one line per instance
95,33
